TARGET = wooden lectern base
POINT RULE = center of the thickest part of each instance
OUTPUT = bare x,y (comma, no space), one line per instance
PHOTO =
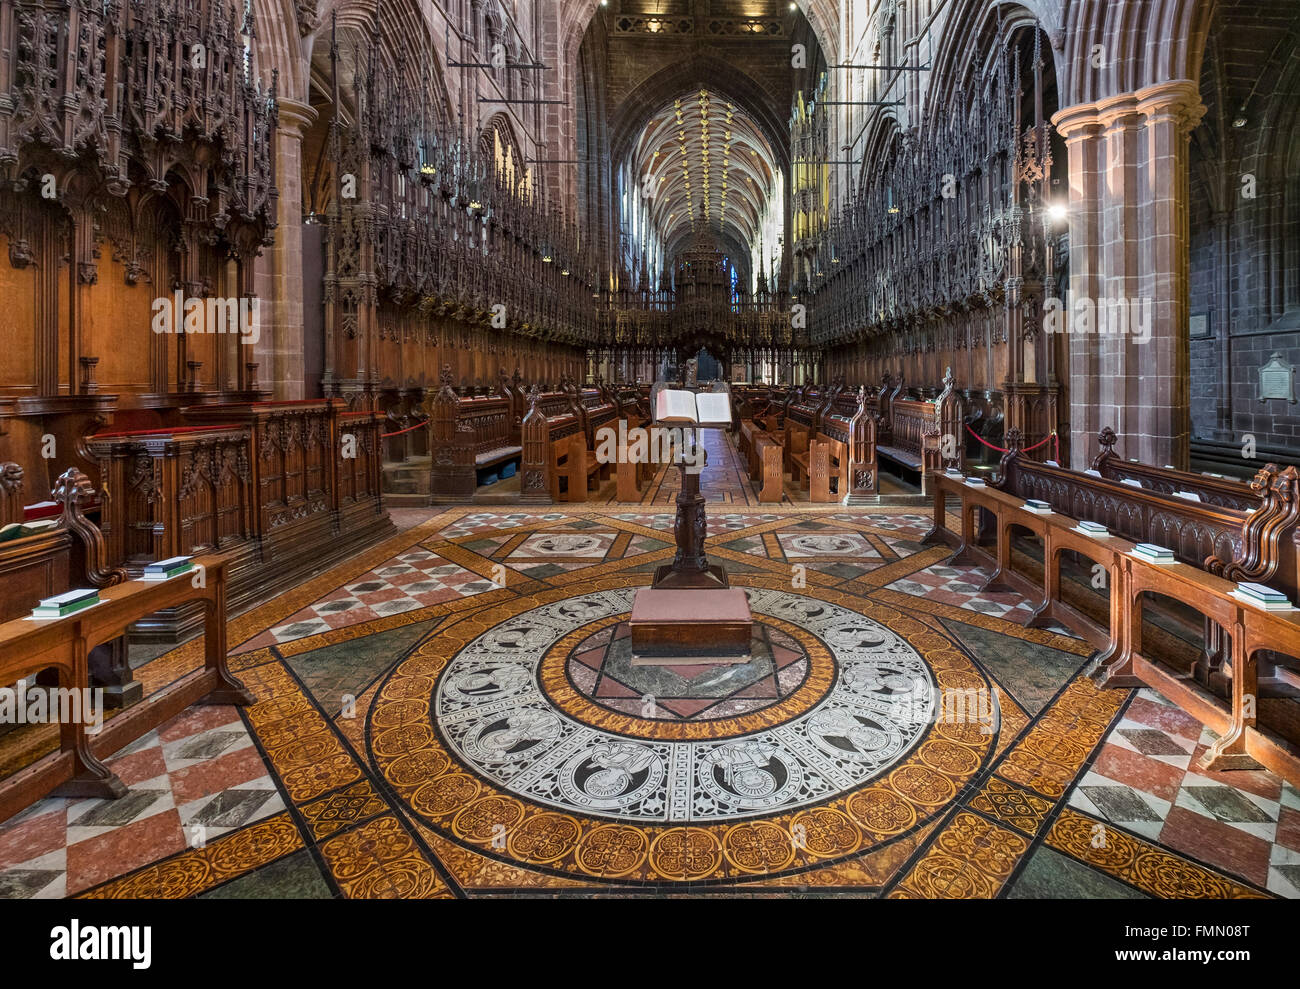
690,627
712,579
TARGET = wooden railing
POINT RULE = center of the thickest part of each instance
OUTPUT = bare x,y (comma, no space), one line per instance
1257,726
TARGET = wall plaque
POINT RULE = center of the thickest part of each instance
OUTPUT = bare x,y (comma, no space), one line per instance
1198,325
1277,380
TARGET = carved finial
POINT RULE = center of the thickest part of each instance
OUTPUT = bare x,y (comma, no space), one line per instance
1107,439
1263,481
73,489
1014,439
949,379
445,377
11,477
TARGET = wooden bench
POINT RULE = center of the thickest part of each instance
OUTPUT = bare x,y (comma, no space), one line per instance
1244,663
29,647
1224,492
595,412
850,422
467,435
631,478
803,421
916,434
770,478
553,465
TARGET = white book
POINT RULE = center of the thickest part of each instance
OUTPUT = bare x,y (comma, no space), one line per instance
1092,527
1095,533
688,407
1260,591
1092,473
975,482
1051,463
69,597
1132,482
1282,605
1152,553
1187,495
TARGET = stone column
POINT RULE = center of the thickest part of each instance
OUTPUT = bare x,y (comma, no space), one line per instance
280,351
1129,271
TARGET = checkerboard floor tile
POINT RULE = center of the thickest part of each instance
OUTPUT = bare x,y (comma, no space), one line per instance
481,522
1145,779
192,780
415,579
960,587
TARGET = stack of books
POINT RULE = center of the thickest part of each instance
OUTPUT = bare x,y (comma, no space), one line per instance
976,482
1132,482
167,569
21,530
1152,553
1039,507
954,472
1188,495
1092,473
1093,529
1051,463
1263,597
63,605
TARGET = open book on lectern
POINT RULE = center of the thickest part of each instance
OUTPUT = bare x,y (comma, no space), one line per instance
704,409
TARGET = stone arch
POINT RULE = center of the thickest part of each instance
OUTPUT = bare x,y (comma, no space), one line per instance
673,80
1141,43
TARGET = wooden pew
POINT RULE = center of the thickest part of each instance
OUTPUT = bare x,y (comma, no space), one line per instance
466,436
770,477
849,422
32,567
803,421
595,411
1224,492
76,769
1233,712
630,478
1247,663
914,433
1195,531
553,465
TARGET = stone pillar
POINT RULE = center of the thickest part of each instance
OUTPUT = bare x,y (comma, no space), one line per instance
1129,271
280,351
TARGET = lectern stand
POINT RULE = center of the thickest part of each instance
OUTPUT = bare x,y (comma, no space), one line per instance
691,615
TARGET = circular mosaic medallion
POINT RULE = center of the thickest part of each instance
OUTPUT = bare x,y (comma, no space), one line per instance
601,669
540,738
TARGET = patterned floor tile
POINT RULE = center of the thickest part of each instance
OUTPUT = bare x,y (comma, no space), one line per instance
1145,780
197,778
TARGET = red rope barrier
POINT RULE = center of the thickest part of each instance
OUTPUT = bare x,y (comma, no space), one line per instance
403,432
1053,438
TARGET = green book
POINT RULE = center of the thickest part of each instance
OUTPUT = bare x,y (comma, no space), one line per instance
66,604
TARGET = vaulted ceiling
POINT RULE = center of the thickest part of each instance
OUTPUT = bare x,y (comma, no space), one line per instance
702,161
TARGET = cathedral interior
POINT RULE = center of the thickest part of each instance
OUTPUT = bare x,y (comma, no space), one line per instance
354,543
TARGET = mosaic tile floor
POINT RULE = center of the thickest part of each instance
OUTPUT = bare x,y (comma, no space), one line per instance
452,714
